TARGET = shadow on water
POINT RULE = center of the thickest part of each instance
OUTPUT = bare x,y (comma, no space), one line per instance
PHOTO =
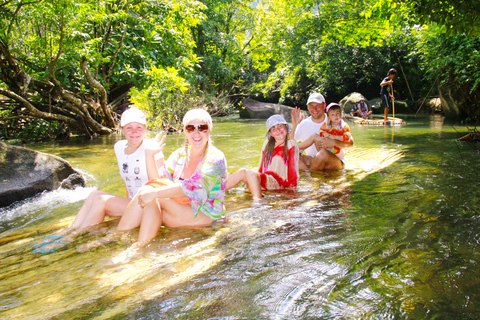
394,235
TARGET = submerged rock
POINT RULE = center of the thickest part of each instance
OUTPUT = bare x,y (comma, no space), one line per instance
25,173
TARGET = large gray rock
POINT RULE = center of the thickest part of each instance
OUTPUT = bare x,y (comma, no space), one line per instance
25,173
261,110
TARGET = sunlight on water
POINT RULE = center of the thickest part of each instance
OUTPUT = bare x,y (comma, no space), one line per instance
394,235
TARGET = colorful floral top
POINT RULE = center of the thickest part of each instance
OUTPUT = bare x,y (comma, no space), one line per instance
279,173
342,130
206,187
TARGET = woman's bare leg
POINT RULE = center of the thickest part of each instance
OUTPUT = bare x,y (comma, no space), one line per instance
151,222
176,215
132,217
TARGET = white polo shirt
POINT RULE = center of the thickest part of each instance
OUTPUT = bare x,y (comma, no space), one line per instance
305,129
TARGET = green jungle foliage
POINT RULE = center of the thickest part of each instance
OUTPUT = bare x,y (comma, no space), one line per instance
67,65
455,62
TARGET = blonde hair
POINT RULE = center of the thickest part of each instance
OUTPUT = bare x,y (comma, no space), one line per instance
197,114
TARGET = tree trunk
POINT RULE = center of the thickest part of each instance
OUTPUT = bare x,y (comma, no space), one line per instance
49,100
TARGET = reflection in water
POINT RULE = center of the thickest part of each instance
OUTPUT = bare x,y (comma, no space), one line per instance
394,235
436,122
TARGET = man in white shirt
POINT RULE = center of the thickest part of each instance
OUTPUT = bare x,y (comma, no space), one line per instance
314,156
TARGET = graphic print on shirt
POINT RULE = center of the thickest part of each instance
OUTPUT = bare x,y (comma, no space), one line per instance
136,170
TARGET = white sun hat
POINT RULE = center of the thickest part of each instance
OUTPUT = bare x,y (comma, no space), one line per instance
133,115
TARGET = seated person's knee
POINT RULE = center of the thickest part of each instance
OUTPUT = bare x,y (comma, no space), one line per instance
250,173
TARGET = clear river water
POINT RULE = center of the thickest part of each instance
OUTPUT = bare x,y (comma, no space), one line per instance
395,235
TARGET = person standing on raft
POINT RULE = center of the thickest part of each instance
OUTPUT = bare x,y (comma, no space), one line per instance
386,92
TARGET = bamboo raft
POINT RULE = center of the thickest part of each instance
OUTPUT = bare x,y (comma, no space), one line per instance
375,120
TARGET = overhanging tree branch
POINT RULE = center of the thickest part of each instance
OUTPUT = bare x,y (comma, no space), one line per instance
32,111
103,94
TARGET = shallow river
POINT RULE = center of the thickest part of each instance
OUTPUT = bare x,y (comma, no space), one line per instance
393,236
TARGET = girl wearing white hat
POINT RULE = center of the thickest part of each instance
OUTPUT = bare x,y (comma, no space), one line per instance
137,163
138,160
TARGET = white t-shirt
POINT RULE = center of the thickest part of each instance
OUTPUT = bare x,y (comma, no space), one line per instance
133,167
305,129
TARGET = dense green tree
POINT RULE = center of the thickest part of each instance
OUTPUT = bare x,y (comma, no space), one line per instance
60,58
335,47
454,64
455,16
65,62
220,43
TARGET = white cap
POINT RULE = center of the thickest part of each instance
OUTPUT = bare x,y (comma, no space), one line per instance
316,97
273,121
133,115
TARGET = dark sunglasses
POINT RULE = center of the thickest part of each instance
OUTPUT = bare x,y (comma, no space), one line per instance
201,128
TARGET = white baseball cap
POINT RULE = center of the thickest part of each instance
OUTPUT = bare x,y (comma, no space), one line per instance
133,115
316,97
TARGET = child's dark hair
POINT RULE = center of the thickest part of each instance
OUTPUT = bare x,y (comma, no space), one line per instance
391,71
268,151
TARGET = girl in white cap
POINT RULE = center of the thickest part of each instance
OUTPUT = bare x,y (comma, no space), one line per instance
278,167
138,160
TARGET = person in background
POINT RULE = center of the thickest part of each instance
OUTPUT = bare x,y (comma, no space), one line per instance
360,109
278,167
386,92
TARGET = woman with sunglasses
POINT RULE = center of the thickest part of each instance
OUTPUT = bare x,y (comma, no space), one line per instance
191,190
